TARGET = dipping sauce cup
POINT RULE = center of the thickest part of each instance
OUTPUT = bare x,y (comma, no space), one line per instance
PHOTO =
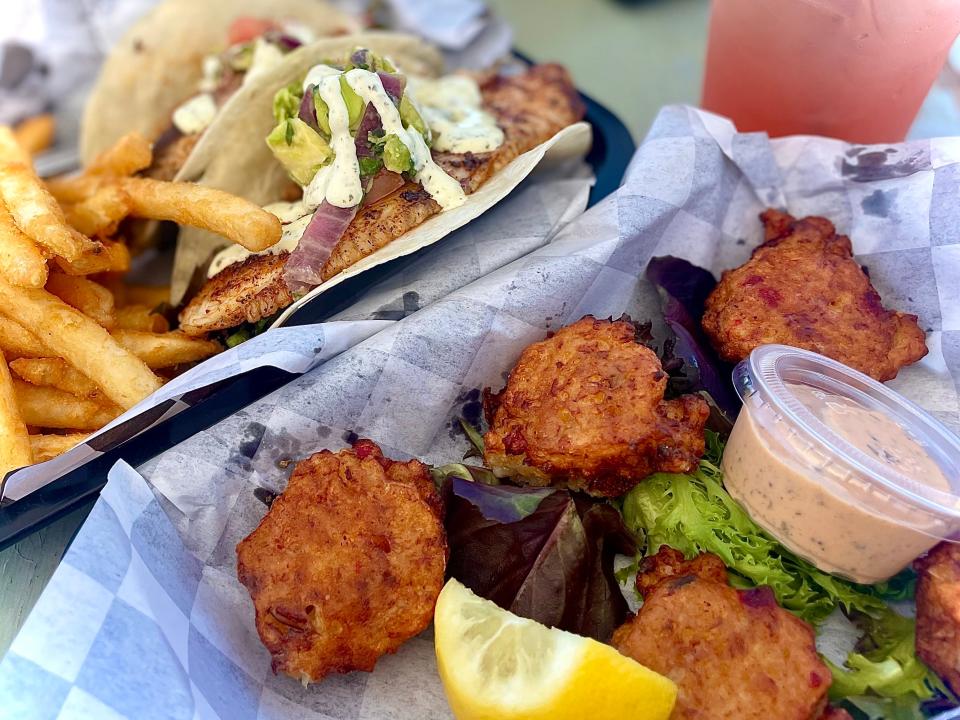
843,471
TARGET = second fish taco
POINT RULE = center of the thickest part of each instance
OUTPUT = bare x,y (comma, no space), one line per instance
384,160
173,72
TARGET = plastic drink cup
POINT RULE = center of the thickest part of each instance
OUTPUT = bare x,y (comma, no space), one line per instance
857,70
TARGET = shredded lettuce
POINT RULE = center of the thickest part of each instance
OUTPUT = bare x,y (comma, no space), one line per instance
694,513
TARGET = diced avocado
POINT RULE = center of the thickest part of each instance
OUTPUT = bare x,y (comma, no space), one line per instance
411,118
354,103
301,150
396,155
241,57
286,103
369,166
323,113
368,60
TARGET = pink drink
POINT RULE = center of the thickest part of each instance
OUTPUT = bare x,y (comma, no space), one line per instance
851,69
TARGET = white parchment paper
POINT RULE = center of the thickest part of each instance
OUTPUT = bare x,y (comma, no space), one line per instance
164,571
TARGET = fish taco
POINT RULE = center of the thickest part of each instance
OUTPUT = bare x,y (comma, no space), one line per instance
383,159
172,73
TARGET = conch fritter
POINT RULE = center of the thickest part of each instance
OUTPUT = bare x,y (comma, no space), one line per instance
585,408
938,612
734,654
347,564
803,288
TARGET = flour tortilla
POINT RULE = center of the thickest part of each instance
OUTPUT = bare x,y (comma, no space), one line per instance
159,61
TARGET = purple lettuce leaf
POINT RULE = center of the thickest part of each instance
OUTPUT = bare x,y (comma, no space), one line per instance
693,365
540,553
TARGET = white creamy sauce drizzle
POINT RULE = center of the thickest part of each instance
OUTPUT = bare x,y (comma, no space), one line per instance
295,218
266,56
442,188
343,187
195,115
316,74
453,109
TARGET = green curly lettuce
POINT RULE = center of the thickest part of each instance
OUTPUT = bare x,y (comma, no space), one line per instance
694,513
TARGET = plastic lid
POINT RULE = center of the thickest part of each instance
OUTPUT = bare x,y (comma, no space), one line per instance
775,372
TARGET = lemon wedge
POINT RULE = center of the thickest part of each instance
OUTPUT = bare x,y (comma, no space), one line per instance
497,666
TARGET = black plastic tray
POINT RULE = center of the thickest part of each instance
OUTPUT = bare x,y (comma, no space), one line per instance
611,151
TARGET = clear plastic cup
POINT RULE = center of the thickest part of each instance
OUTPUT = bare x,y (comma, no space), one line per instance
842,470
857,70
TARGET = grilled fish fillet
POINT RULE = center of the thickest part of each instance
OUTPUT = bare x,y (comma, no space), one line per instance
530,107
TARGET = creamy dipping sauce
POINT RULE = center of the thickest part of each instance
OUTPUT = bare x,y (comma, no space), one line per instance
821,508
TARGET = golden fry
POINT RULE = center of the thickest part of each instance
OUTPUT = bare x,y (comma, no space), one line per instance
56,373
147,295
166,350
102,256
70,334
140,317
18,342
73,189
234,218
35,134
93,300
11,151
101,213
47,447
14,442
36,212
21,261
128,155
46,407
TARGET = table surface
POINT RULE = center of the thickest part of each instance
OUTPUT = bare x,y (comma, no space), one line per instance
633,58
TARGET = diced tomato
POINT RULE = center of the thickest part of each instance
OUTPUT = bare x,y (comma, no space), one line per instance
244,29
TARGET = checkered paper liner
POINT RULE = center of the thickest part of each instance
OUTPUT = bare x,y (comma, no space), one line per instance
146,617
519,224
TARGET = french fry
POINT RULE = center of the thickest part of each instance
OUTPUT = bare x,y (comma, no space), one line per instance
47,447
11,151
14,442
35,134
129,154
56,373
101,213
99,257
166,350
48,407
198,206
18,342
146,295
36,212
70,334
21,261
140,317
93,300
73,189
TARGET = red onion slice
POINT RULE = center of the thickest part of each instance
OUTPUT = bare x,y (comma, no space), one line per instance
321,235
308,110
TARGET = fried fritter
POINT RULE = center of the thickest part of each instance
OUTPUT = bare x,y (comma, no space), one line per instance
803,288
585,408
734,654
347,564
668,564
938,612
